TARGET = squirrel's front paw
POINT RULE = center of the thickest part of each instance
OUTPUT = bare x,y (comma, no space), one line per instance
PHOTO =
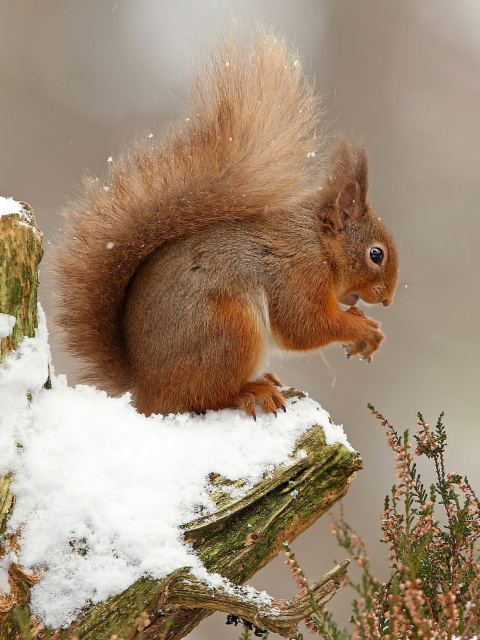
368,338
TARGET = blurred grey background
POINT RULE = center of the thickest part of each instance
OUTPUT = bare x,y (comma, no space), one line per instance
79,79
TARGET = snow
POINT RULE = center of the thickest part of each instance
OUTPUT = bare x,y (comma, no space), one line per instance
4,584
9,205
91,474
6,325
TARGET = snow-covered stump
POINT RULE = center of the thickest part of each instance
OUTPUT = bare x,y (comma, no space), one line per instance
236,540
20,254
268,495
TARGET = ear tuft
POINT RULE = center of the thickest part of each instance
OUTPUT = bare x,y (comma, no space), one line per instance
348,181
361,173
342,161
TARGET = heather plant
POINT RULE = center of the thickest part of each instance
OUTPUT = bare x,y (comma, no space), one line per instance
434,587
321,621
433,592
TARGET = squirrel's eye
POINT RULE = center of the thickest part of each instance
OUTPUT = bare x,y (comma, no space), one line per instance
376,255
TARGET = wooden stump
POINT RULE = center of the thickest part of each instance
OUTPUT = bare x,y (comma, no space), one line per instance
20,254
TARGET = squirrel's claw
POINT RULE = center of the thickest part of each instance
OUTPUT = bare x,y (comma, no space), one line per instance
346,348
269,397
366,337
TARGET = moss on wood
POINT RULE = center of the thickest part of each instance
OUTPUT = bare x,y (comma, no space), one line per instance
20,254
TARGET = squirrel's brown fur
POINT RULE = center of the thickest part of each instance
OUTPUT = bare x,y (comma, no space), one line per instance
177,269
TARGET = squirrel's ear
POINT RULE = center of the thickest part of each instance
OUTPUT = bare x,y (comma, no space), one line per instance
361,173
342,161
348,204
348,177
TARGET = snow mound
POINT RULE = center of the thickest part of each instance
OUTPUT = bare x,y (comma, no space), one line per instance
101,491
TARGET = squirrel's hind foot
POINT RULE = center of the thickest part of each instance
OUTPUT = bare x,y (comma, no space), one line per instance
265,392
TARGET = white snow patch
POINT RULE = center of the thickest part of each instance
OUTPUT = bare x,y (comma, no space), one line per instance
4,583
249,593
6,325
334,433
9,205
101,490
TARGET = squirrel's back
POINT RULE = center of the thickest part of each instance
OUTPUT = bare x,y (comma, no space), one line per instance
248,141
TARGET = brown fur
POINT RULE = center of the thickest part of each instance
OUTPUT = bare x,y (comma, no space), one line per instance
218,239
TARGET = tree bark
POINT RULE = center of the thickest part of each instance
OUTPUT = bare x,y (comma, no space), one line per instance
243,534
20,254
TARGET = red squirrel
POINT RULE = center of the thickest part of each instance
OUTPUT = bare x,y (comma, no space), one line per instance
229,232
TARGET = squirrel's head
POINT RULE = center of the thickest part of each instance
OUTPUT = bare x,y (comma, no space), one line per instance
368,255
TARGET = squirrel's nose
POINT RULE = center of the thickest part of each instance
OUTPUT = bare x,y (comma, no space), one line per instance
387,303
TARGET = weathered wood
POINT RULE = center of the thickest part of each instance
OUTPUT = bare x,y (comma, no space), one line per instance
20,254
6,501
278,616
240,537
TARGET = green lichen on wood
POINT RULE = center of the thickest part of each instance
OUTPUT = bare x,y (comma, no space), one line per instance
6,501
20,254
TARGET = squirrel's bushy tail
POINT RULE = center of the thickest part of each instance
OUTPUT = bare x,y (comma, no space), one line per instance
248,141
